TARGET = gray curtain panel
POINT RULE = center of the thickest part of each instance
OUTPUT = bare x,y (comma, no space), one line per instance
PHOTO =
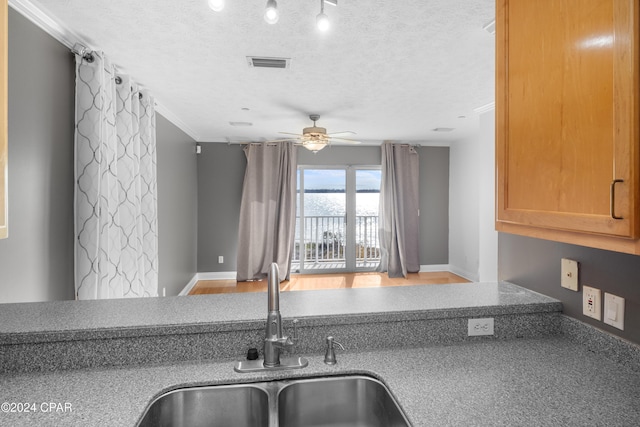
267,210
399,210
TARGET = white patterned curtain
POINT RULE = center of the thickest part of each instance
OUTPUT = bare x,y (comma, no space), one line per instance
116,252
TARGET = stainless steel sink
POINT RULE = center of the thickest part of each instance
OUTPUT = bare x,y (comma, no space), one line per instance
338,401
356,401
223,406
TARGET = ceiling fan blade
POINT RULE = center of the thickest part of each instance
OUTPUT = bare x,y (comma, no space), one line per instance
349,141
289,133
283,140
350,132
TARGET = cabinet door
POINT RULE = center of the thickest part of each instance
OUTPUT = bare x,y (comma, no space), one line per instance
3,119
567,115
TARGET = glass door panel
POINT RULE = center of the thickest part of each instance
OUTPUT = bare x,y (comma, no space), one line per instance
337,220
367,244
322,212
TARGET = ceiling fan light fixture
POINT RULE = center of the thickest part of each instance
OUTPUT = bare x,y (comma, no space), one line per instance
271,14
216,5
314,138
315,146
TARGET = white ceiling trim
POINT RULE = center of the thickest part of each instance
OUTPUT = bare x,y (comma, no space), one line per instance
34,14
483,109
173,118
69,38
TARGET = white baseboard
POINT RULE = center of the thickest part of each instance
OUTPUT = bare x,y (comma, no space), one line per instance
189,286
434,267
214,275
462,273
450,268
217,275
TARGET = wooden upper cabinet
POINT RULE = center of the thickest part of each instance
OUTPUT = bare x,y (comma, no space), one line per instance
567,121
3,120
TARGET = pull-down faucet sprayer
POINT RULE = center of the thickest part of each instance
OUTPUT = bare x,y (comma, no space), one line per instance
274,341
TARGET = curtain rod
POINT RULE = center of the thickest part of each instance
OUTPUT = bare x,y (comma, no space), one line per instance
81,50
275,143
86,54
251,143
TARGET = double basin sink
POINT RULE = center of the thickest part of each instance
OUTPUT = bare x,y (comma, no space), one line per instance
311,402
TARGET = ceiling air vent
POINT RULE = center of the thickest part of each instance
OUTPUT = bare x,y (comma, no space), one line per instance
264,62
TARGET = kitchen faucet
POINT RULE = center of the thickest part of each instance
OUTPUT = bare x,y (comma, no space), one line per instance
274,341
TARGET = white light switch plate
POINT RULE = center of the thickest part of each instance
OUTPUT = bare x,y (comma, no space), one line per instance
569,271
614,311
592,302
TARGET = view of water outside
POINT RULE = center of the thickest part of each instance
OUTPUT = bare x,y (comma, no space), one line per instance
325,212
325,192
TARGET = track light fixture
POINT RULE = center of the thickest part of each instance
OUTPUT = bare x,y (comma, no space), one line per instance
271,14
216,5
322,20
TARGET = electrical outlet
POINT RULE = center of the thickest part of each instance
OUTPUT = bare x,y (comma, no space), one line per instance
220,259
592,302
478,327
569,275
614,311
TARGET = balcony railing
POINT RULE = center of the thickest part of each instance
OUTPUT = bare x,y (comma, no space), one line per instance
325,242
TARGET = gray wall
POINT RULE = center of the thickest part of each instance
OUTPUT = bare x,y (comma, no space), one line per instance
535,264
221,172
220,175
177,207
36,261
434,205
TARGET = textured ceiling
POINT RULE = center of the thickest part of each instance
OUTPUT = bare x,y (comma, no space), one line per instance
389,70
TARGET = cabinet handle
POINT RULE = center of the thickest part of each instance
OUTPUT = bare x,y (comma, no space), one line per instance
613,198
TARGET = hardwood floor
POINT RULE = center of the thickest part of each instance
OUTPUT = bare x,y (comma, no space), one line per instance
302,282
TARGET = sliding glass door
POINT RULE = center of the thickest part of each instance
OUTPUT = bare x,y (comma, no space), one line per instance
337,220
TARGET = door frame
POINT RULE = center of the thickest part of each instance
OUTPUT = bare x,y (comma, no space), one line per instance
350,218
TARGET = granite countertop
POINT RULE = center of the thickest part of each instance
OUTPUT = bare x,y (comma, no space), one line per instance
73,320
542,382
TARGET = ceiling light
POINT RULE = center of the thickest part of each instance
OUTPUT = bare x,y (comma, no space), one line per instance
271,12
314,147
314,141
216,5
322,20
442,129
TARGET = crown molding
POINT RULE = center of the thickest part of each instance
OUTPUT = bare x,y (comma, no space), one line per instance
177,121
487,107
63,34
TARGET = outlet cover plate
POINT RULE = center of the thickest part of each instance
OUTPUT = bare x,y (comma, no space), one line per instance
477,327
569,277
592,302
614,311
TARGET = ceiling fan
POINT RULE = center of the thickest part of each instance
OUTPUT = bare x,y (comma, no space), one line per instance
315,138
